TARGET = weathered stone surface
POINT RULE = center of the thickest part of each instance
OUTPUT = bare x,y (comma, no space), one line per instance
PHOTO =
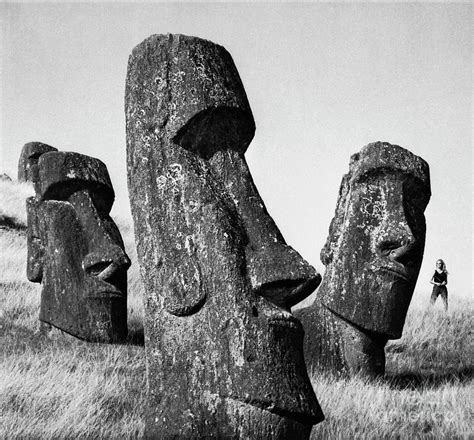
332,345
27,164
224,354
373,256
75,249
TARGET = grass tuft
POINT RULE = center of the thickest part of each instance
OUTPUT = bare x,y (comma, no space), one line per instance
13,197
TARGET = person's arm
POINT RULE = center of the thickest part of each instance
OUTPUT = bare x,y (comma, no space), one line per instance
434,282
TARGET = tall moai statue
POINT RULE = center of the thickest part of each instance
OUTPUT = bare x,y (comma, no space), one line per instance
224,354
28,162
372,256
75,249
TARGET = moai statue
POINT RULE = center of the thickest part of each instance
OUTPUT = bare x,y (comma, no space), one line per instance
75,249
28,162
372,256
224,354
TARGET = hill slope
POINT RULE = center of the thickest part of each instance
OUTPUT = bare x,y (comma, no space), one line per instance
54,386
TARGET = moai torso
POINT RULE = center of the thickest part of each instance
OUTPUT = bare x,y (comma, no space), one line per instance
224,354
75,249
372,256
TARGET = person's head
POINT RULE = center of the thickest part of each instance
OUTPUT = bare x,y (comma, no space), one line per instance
213,328
75,249
376,239
440,265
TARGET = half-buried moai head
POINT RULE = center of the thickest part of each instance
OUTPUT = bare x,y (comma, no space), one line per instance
224,354
374,250
28,162
75,249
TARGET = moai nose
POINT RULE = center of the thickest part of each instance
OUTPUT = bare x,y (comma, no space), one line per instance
281,275
277,272
397,242
105,265
105,256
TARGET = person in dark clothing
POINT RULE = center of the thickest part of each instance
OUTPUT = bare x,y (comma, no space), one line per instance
439,281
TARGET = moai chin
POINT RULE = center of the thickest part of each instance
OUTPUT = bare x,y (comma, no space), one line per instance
28,162
372,256
224,354
75,250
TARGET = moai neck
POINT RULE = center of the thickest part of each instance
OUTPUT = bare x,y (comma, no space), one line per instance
335,346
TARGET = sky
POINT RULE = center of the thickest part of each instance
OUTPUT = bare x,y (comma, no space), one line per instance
323,80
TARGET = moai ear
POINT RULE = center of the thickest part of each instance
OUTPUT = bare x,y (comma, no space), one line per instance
183,290
27,164
35,249
63,173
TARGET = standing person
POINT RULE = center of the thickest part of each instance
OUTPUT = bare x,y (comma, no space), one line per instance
439,281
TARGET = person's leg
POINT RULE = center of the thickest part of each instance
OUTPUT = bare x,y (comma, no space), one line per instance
434,295
444,297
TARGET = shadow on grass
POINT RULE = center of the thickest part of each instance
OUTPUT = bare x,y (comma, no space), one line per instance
418,380
18,338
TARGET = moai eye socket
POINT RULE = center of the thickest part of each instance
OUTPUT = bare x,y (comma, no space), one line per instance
217,129
64,173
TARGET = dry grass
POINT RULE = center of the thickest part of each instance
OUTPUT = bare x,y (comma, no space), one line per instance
13,197
53,386
426,392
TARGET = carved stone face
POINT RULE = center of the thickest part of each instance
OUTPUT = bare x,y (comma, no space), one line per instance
376,241
75,249
224,354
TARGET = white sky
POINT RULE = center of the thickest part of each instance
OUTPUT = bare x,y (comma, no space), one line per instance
323,80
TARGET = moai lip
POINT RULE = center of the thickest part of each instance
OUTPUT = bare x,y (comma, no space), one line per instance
28,162
224,354
373,256
75,250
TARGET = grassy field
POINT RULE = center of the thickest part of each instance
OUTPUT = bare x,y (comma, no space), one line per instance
53,386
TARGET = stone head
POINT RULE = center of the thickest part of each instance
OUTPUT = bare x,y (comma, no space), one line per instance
219,277
28,162
75,249
376,239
